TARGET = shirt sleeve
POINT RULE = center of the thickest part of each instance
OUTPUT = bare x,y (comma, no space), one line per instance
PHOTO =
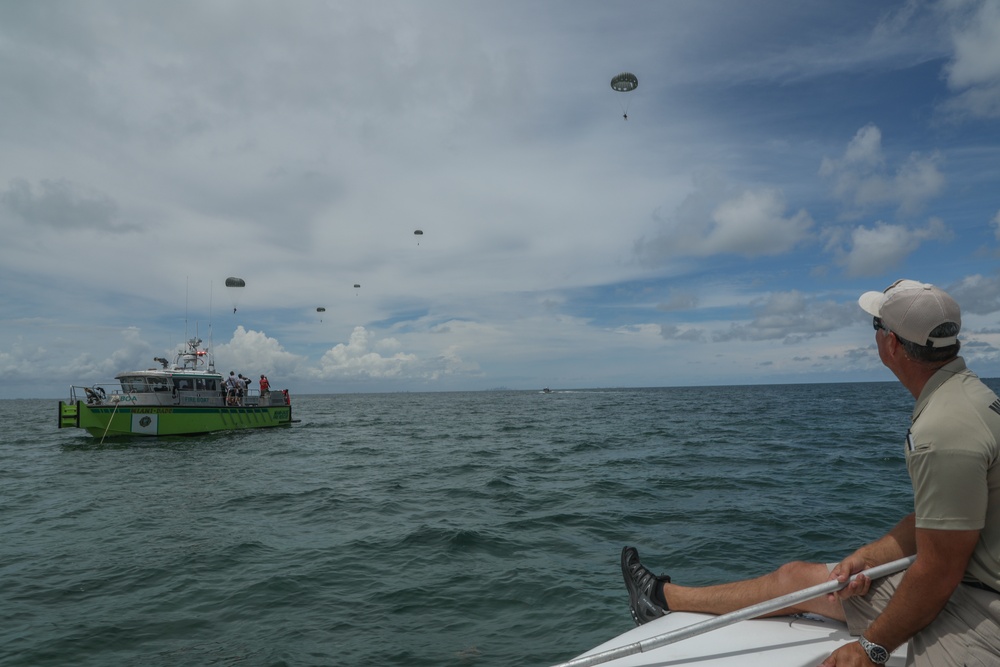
949,488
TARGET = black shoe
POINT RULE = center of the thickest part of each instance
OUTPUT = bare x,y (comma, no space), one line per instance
641,583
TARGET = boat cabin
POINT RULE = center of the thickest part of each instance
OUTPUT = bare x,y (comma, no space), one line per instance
163,387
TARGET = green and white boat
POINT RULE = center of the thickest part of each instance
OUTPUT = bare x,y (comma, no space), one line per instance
188,398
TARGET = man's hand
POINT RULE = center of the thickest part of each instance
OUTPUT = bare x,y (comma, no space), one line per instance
843,571
849,655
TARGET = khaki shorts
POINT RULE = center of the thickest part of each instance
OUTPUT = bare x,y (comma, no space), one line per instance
965,634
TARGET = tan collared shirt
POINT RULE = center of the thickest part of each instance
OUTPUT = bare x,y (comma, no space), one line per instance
953,457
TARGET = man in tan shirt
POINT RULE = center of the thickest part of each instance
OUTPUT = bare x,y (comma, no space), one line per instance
947,604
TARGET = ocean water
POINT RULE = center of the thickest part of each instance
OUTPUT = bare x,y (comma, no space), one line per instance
425,529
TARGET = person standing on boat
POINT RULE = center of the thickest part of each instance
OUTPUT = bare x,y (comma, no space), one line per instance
947,604
265,386
232,387
241,388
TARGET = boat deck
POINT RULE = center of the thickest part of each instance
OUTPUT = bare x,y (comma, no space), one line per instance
780,641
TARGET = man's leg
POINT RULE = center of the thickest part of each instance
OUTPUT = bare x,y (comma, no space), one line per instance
788,578
646,602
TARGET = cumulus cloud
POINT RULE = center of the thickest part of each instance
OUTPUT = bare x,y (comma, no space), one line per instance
753,224
974,71
996,223
863,181
789,316
865,150
252,353
678,300
693,334
357,359
365,358
870,251
134,352
977,294
22,362
714,220
62,205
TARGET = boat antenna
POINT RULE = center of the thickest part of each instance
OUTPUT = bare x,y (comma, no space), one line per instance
187,291
211,347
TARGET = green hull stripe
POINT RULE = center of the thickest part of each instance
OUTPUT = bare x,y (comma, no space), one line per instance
106,420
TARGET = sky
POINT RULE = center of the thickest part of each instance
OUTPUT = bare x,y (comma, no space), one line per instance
778,159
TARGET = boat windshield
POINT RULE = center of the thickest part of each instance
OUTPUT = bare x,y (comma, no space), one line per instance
158,384
195,383
134,384
137,384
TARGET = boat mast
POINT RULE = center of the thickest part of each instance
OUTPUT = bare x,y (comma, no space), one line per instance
211,346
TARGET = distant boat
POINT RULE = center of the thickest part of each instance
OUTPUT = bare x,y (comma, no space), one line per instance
184,399
546,391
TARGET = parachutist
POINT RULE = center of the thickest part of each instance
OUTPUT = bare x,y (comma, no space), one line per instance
625,82
235,287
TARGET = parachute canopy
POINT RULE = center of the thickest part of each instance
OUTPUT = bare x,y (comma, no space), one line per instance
625,82
321,309
357,286
418,232
235,290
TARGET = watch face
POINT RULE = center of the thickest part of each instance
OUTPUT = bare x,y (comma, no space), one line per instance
878,655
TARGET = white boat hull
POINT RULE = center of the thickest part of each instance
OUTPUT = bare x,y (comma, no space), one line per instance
782,641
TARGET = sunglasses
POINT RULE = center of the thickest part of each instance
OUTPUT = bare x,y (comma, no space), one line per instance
877,323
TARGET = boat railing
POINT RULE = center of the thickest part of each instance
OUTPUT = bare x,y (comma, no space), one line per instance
249,397
103,393
270,398
252,397
95,394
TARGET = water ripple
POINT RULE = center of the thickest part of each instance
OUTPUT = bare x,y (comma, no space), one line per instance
425,529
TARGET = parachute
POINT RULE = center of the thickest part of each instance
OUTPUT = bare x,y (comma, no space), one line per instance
235,288
357,286
418,233
625,82
321,309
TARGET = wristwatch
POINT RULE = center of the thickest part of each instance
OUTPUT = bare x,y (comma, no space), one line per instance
876,653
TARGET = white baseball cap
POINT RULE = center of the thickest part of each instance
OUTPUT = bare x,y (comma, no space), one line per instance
912,310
